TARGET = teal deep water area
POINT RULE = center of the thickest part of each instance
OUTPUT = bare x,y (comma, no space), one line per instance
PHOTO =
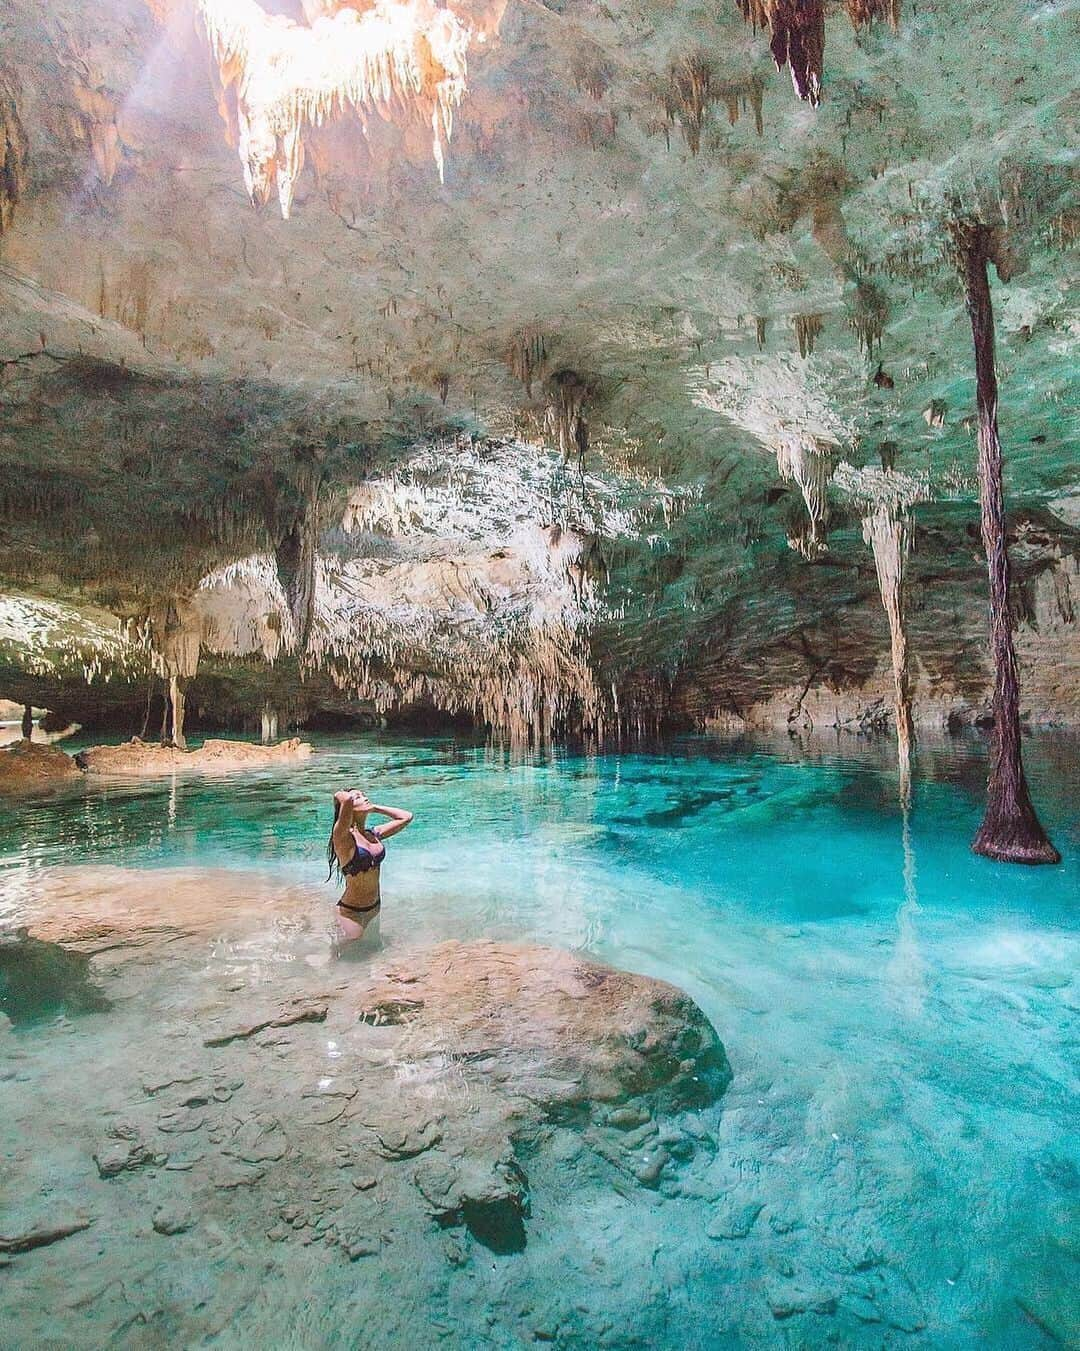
897,1160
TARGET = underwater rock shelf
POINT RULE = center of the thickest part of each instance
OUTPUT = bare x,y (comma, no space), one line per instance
425,1103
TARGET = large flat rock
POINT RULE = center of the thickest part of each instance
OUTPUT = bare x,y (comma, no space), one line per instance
422,1111
553,1026
143,759
134,911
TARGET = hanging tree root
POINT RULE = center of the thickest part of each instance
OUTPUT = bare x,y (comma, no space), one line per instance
1010,831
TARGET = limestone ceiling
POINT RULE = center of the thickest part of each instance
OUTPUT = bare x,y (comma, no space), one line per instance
632,194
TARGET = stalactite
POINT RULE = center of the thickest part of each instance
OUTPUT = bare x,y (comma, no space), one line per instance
567,393
481,598
797,34
804,461
808,328
296,554
886,499
888,532
797,39
882,379
1010,831
869,316
99,126
592,72
864,12
691,93
401,60
692,86
14,154
528,354
934,413
269,723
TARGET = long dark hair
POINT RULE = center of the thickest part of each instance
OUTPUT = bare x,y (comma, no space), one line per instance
331,853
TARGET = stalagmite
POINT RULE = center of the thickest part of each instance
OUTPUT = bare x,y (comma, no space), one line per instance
1010,831
804,461
401,60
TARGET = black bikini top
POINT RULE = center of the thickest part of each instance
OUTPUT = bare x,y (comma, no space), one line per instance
364,860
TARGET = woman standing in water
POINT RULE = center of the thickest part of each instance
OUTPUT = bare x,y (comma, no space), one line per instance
356,850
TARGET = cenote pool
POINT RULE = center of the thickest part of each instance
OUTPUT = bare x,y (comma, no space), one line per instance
894,1163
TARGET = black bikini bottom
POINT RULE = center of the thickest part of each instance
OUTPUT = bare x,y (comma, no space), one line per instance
360,909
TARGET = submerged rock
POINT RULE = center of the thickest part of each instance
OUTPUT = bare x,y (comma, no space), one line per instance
145,759
43,1235
39,980
170,1219
123,1152
560,1030
734,1220
530,1035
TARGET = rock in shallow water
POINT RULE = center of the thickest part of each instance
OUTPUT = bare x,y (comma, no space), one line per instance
39,980
531,1036
27,766
170,1219
141,759
560,1030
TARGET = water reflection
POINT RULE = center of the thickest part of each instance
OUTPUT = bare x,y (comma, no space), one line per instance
906,972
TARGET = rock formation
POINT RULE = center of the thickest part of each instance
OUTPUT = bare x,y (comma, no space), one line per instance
660,344
141,759
464,1080
886,499
401,60
27,766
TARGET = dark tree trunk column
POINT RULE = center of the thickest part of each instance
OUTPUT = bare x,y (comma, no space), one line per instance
1010,830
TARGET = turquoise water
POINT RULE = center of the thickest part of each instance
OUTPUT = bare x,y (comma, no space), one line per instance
900,1015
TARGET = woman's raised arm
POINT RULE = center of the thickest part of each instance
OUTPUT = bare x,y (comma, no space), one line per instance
399,819
341,838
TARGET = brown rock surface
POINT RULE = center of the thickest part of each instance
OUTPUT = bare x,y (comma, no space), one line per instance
142,759
556,1028
27,766
97,907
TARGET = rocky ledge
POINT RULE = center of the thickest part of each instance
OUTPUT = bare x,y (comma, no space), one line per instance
143,759
456,1064
441,1099
26,766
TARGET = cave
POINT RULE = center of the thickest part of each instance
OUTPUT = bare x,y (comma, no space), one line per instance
609,472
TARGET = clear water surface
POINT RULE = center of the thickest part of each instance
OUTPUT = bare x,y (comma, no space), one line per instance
900,1015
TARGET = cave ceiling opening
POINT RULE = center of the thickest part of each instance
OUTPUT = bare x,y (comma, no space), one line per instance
623,344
